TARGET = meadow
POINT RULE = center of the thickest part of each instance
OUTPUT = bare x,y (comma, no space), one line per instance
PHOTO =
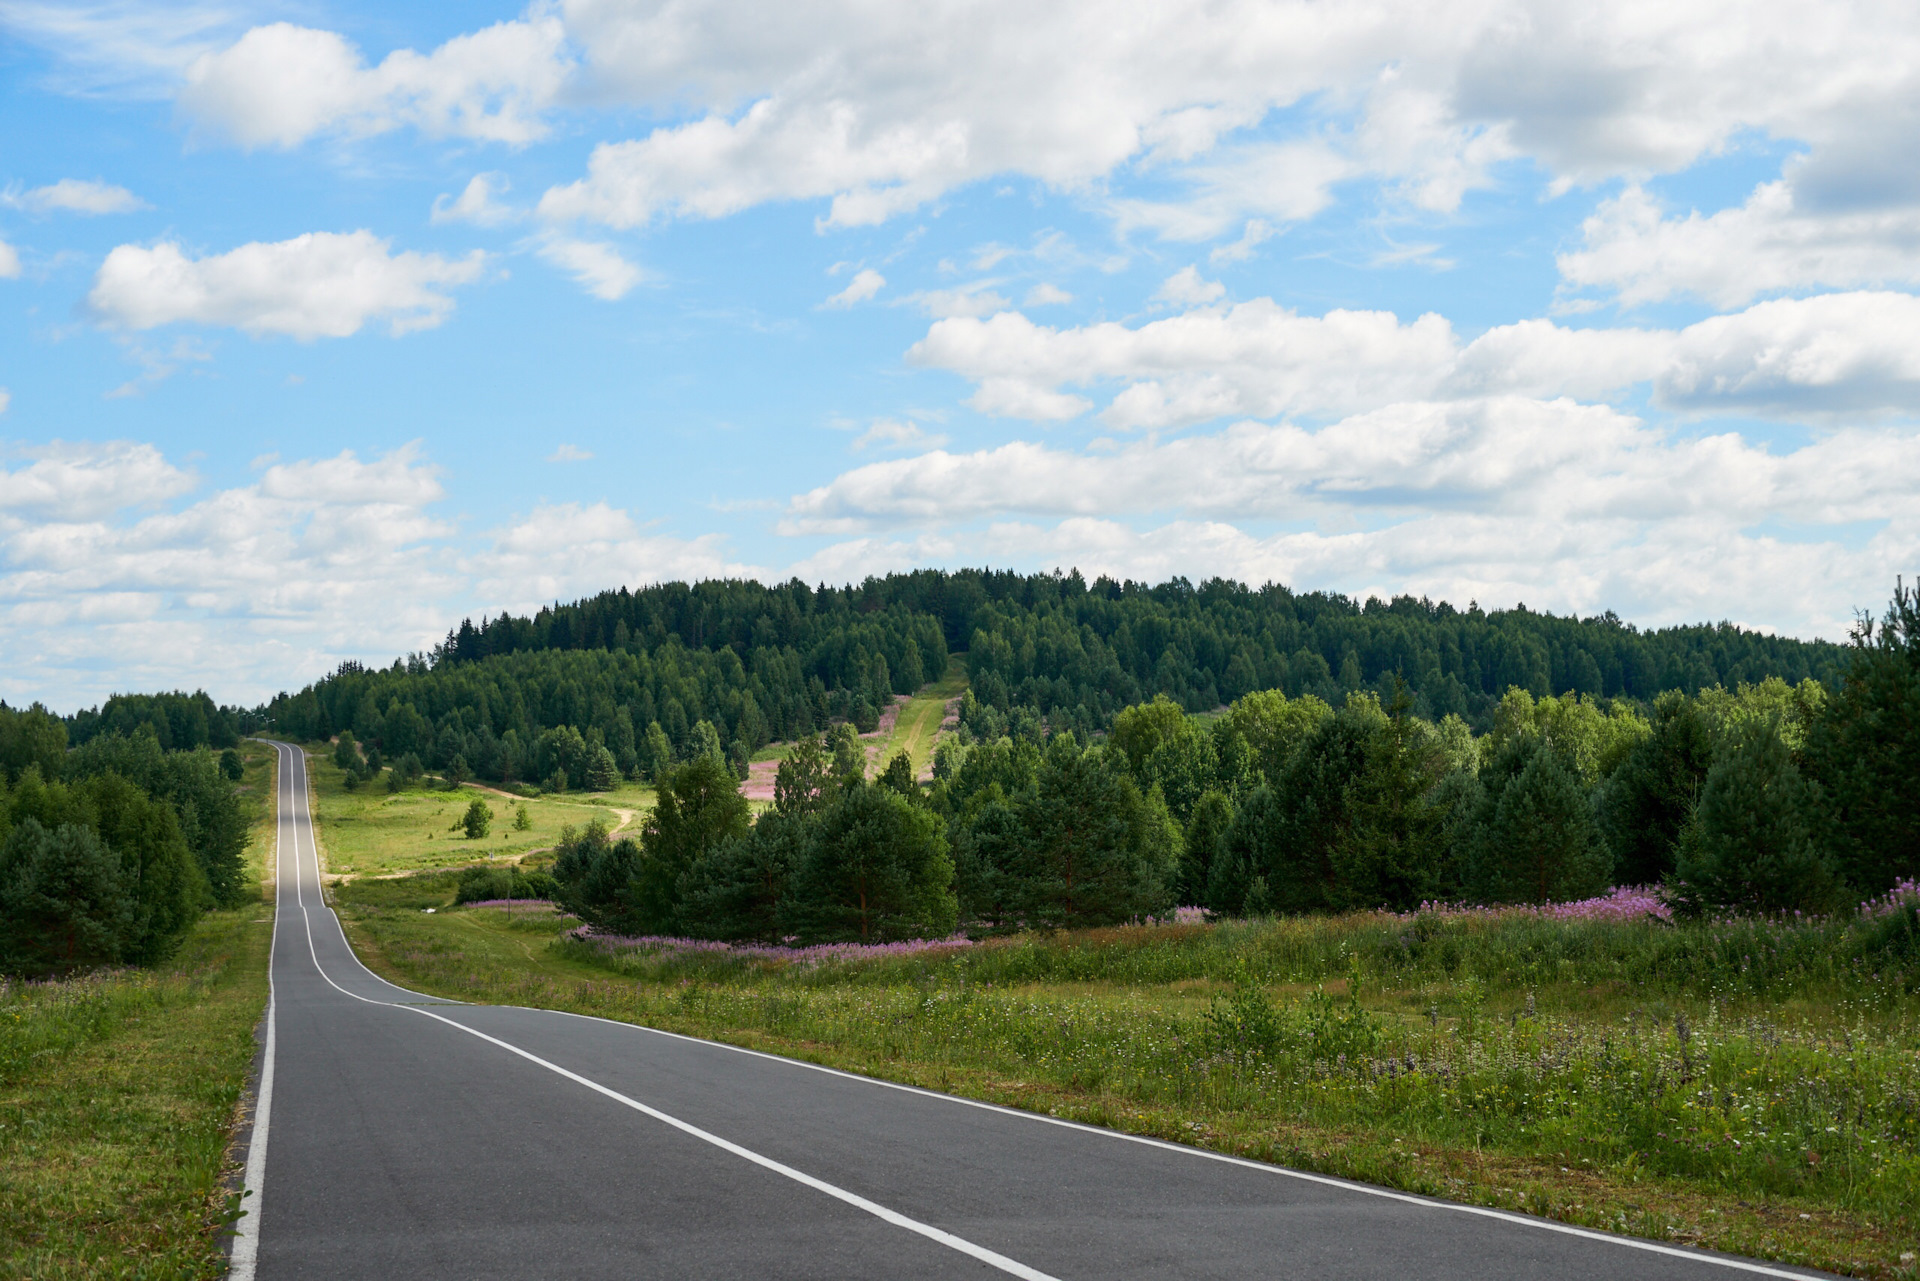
1749,1085
118,1096
369,831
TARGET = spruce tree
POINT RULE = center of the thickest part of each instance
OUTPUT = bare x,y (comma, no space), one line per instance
698,805
66,900
878,870
1536,841
1749,845
1098,851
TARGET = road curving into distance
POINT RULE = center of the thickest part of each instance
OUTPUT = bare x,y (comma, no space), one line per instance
401,1135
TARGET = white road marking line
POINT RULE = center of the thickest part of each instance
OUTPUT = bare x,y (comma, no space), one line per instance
961,1245
245,1256
1388,1194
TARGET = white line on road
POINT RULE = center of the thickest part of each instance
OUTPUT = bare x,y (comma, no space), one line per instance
1012,1267
245,1256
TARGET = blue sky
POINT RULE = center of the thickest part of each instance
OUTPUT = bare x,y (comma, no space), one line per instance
323,325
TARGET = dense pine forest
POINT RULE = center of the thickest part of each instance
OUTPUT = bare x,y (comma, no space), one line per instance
758,664
111,849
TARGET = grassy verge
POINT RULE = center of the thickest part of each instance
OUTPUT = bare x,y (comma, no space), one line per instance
1636,1078
372,832
117,1099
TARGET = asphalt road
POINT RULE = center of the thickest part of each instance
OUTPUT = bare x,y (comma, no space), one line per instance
403,1136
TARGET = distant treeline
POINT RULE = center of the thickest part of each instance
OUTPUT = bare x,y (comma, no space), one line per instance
179,721
757,663
111,850
1769,797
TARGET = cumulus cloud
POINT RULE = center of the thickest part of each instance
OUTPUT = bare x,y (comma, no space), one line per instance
1768,245
9,262
75,195
241,591
318,285
896,433
1504,498
1813,357
1185,288
864,285
878,113
477,203
279,85
565,550
595,265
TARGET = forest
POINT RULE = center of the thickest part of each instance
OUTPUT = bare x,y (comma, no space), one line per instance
1770,797
751,664
110,850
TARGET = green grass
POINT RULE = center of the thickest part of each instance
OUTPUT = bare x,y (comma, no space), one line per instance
1635,1077
918,725
372,832
118,1093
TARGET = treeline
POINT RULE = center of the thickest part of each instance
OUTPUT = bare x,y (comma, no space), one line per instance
180,722
749,664
111,850
1768,797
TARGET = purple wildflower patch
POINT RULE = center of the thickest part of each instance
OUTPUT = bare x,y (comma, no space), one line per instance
817,954
1621,903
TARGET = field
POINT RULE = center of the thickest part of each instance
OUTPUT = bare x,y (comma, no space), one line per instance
1752,1087
118,1094
372,832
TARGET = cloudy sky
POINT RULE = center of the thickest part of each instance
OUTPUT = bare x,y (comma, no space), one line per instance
324,324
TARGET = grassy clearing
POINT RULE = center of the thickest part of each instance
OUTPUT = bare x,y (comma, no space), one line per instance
118,1093
372,832
1749,1088
918,724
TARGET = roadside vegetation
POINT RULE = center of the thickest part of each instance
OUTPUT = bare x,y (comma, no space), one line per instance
1748,1085
118,1089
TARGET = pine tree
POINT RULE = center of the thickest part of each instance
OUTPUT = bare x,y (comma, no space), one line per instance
1098,851
602,772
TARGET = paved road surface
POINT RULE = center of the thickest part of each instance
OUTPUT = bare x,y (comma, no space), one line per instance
403,1136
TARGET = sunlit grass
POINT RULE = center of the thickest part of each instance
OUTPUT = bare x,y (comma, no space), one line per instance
372,832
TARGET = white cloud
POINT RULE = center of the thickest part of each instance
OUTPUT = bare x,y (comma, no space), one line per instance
595,265
244,591
1767,245
318,285
1503,455
977,299
477,203
6,399
1185,288
130,50
1562,505
1046,295
895,433
279,85
9,262
569,454
565,550
75,195
864,285
1257,232
1805,358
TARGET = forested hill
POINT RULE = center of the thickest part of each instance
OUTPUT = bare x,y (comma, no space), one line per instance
759,663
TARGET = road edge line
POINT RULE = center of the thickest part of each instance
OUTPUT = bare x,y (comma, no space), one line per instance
243,1259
